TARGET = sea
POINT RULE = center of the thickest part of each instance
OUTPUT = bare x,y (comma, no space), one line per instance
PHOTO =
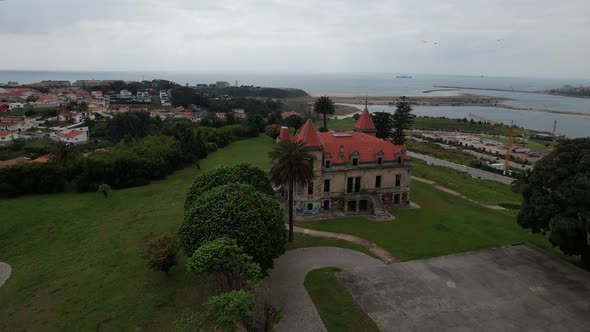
385,83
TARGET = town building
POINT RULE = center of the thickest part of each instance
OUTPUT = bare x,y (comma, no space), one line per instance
125,94
354,171
220,115
239,113
221,84
7,136
73,136
16,123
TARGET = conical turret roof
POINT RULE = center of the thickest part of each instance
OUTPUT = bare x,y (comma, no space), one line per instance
308,135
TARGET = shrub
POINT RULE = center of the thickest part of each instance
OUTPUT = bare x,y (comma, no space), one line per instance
31,178
230,308
272,130
225,259
237,173
160,251
104,189
240,212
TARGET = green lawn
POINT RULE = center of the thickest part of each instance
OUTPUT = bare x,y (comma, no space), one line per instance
431,123
345,124
337,308
76,257
444,225
483,191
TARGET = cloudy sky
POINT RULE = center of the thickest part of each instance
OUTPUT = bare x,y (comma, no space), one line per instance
545,38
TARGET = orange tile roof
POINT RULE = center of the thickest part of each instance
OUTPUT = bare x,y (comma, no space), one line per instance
367,146
17,160
344,144
308,135
365,122
72,134
42,159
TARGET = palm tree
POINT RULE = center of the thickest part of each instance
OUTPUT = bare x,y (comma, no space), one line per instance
325,106
291,164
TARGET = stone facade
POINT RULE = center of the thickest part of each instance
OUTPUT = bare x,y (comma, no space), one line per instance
353,171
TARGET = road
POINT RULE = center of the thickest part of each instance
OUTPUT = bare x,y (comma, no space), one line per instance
474,172
285,283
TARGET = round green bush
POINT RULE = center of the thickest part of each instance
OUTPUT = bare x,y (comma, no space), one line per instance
237,173
239,212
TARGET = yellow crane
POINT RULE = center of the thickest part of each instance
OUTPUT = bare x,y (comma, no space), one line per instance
508,149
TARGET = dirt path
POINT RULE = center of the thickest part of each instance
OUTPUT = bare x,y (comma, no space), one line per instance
376,250
5,271
454,193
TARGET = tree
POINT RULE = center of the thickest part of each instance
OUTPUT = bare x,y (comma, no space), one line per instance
356,116
238,173
294,121
384,124
402,120
240,212
104,189
324,106
67,158
272,131
226,261
291,165
275,117
18,144
160,251
229,309
556,196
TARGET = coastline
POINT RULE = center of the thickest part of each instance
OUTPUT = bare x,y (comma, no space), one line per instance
458,100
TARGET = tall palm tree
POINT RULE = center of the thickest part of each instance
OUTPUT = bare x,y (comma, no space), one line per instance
291,165
325,106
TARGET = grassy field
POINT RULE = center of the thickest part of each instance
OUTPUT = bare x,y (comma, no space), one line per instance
435,150
431,123
483,191
337,308
336,124
444,225
76,257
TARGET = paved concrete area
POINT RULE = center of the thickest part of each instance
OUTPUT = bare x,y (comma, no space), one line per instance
285,283
474,172
376,250
5,271
512,288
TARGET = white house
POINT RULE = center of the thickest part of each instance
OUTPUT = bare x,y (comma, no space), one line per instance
220,115
143,94
239,113
74,136
7,136
12,106
125,94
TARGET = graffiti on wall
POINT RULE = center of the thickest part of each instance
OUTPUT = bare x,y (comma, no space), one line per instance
303,208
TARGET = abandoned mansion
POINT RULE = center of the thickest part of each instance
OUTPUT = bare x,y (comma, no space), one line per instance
354,171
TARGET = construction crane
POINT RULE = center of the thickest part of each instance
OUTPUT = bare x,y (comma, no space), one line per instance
554,128
508,149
